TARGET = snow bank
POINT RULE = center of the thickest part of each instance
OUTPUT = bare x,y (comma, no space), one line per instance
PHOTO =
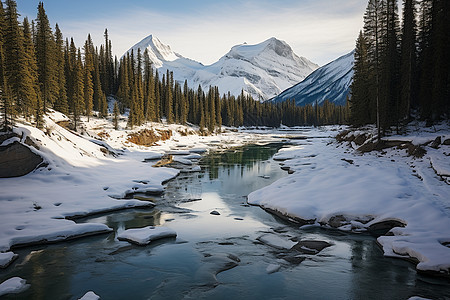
7,258
331,183
143,236
13,285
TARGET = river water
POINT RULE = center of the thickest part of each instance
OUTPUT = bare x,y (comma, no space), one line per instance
217,256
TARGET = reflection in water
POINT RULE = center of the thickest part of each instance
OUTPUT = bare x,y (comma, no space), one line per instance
189,266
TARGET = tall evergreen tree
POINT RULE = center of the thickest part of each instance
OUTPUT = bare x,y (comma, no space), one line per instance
169,97
390,64
360,88
88,84
78,89
61,99
7,110
116,113
149,88
408,59
30,89
373,22
46,59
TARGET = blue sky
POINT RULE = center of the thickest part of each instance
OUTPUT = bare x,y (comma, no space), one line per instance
320,30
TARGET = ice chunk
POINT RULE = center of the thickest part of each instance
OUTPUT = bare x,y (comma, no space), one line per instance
13,285
90,296
272,268
143,236
7,258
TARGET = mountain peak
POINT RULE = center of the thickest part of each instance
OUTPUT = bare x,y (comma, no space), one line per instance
248,52
157,51
262,70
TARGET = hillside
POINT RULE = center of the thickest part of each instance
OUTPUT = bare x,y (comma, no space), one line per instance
331,82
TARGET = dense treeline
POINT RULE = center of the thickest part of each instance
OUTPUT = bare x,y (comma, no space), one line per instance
40,70
404,71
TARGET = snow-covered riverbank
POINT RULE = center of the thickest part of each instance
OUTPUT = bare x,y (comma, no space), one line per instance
336,186
80,178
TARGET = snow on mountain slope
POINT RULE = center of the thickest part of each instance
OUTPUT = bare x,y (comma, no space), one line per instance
331,82
262,70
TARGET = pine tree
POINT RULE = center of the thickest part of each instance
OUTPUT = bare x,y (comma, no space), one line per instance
88,84
408,59
360,107
46,59
440,47
98,97
390,64
116,115
149,89
30,88
139,90
78,90
184,104
169,97
373,33
15,61
7,110
61,99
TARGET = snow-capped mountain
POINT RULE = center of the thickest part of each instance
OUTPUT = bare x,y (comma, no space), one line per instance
262,70
331,82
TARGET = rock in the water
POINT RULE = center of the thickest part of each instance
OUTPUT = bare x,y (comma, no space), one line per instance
337,221
215,212
383,227
295,260
310,246
17,159
143,236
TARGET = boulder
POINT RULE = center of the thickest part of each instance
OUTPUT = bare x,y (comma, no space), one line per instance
17,159
436,143
311,246
383,227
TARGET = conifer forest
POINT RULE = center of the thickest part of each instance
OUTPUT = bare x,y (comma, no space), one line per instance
401,71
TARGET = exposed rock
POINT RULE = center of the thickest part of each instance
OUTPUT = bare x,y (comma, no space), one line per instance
446,142
295,260
297,220
341,136
31,143
215,212
416,151
6,136
436,143
310,246
383,227
350,161
360,139
17,159
337,221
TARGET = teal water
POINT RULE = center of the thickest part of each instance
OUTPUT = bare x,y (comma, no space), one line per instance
217,256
